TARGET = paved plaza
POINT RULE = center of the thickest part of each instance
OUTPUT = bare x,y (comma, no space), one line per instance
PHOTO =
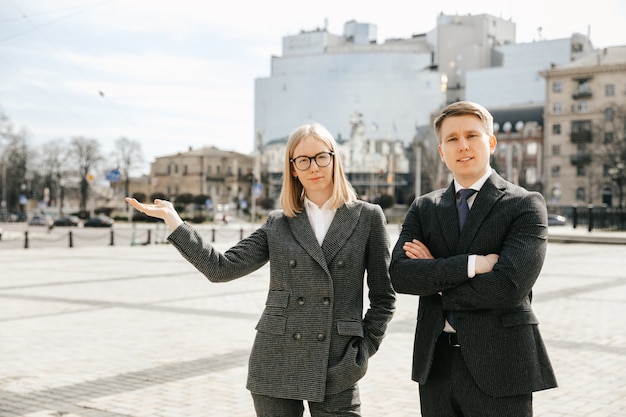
118,331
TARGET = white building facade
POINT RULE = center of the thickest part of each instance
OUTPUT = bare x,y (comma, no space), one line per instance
515,76
326,78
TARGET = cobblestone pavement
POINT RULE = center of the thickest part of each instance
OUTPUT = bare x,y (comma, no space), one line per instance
111,331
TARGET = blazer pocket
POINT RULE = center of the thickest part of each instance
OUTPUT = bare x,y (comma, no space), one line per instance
273,319
272,324
518,318
277,299
350,328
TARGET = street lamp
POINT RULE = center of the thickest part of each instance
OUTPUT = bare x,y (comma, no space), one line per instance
3,208
617,174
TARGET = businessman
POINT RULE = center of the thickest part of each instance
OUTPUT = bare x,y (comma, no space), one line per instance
472,253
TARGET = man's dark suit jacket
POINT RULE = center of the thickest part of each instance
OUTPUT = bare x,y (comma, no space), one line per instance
496,327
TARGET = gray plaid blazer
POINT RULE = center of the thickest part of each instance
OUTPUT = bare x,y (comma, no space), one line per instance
312,337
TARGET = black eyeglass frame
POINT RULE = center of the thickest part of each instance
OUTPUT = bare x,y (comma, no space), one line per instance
311,158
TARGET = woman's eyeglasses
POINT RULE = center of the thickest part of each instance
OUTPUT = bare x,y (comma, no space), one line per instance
322,159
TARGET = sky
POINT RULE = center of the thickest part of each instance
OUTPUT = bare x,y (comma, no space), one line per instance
178,74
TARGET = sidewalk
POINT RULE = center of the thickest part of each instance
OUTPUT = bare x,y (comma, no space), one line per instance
136,331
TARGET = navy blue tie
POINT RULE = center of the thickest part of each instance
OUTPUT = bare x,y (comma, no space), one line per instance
463,208
462,211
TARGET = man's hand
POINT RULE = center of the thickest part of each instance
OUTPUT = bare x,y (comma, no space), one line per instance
416,250
485,263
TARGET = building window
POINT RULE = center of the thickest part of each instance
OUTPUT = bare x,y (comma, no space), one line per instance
581,131
185,170
531,175
556,171
580,170
609,114
583,86
218,170
175,168
169,169
608,137
580,107
556,108
531,148
557,86
580,194
609,90
556,150
208,169
556,129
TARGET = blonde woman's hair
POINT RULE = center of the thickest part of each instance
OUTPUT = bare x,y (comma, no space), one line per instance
463,108
292,193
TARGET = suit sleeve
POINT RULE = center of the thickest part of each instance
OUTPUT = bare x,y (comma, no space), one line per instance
424,276
246,256
521,259
381,294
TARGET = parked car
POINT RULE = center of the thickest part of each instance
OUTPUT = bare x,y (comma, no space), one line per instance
40,220
70,221
8,217
556,220
99,221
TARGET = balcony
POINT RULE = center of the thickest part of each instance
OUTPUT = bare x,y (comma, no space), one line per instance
580,159
581,94
581,137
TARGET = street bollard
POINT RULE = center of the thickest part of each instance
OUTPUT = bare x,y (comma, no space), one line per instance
111,244
71,239
26,239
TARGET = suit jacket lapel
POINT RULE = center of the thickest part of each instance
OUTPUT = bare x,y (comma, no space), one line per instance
341,228
448,218
485,200
303,232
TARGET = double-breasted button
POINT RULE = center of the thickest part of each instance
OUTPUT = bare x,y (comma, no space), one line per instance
341,264
300,300
326,301
293,263
321,337
297,336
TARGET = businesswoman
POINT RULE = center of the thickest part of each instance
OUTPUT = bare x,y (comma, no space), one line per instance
313,341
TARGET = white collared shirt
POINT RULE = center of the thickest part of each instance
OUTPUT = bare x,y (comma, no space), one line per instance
320,218
471,260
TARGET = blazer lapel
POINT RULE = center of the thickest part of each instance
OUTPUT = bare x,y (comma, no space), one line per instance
485,200
448,219
341,228
303,232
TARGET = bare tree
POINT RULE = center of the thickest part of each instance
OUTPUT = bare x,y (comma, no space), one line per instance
52,162
14,159
128,156
611,134
85,154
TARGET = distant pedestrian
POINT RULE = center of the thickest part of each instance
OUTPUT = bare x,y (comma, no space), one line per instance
478,351
313,341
